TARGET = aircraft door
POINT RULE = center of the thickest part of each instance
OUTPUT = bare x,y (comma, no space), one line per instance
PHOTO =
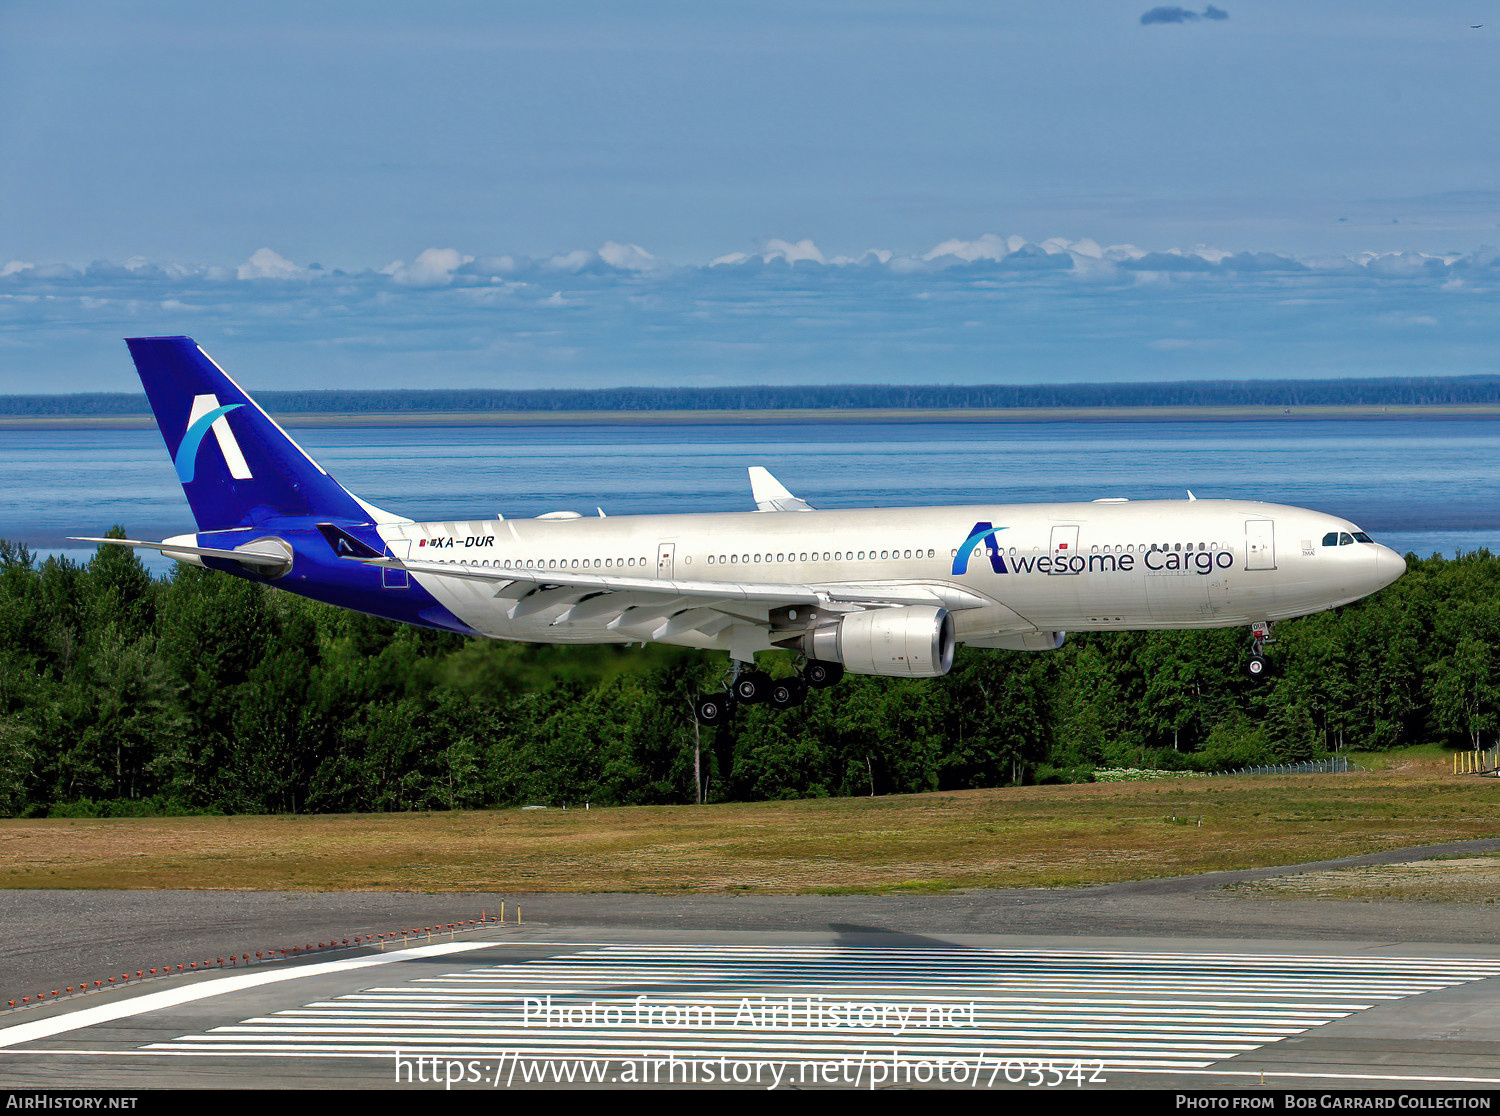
395,579
1218,586
1260,544
665,560
1064,547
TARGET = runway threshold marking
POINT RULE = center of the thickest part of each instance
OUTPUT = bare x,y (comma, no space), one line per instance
172,997
1134,1011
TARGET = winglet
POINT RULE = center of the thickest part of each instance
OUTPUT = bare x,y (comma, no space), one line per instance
771,495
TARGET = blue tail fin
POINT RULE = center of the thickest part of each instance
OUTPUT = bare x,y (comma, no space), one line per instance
237,467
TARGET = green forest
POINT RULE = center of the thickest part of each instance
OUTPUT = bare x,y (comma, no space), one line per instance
122,694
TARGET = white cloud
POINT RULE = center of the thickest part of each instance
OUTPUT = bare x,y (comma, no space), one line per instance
264,264
802,251
572,261
1212,255
1401,263
868,257
627,257
433,268
1058,306
987,247
493,266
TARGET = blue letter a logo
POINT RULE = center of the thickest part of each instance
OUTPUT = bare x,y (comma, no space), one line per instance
982,532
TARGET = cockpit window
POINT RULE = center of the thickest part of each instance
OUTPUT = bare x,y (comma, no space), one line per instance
1360,536
1331,539
1346,539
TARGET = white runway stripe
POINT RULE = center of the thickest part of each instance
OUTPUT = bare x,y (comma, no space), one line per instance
1133,1010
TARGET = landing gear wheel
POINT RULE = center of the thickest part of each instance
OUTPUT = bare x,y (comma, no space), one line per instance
753,687
713,709
1260,635
788,693
820,674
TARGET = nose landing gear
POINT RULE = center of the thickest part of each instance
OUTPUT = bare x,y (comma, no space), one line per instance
1260,635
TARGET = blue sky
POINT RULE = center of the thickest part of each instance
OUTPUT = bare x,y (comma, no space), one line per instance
577,194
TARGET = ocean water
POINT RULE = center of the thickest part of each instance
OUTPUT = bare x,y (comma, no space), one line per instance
1430,486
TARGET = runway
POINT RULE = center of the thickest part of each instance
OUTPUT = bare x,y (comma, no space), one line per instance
1166,983
55,938
551,1006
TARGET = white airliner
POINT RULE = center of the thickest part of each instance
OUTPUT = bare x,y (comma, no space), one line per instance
888,591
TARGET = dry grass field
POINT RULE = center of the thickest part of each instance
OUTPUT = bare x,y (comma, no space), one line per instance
1457,879
1018,837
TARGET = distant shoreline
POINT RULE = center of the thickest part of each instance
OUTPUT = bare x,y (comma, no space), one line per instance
808,416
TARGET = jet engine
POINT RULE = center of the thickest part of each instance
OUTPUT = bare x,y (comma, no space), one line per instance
912,642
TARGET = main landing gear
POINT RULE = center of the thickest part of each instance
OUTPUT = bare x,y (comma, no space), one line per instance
756,687
1260,635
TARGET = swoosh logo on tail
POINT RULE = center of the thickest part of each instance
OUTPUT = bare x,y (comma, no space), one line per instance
186,460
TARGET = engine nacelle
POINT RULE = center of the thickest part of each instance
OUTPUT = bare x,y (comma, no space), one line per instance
912,642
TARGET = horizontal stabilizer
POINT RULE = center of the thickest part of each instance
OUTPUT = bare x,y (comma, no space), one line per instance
172,550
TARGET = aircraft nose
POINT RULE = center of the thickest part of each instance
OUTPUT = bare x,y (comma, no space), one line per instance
1388,565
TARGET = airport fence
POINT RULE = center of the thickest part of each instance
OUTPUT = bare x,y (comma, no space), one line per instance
1311,767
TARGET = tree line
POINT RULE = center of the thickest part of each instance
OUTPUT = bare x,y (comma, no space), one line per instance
120,693
1395,391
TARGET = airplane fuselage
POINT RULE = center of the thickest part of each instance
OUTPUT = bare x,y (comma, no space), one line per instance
1107,565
